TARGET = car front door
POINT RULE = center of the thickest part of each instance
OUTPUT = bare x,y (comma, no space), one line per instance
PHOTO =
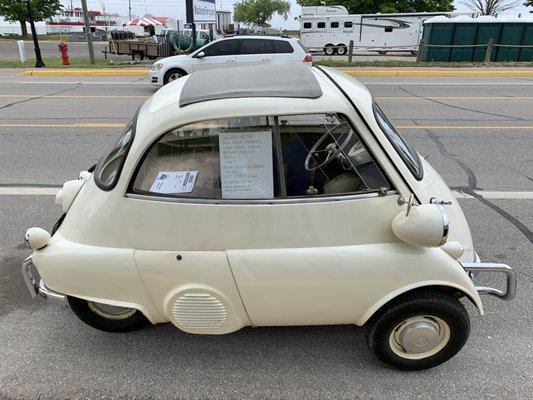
219,54
255,52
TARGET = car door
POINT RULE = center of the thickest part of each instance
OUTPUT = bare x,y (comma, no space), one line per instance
218,54
255,52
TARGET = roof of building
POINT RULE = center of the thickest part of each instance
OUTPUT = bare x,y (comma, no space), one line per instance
291,80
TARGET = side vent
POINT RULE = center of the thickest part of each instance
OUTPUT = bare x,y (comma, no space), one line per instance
192,311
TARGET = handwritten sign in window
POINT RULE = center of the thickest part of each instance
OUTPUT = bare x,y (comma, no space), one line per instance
246,165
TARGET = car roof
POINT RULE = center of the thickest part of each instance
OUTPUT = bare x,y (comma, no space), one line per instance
280,80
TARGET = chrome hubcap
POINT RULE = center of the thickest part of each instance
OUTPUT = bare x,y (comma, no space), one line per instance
419,337
111,312
173,77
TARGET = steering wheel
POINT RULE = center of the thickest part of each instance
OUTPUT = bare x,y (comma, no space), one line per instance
331,149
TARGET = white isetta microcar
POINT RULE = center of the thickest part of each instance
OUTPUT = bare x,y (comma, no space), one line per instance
266,196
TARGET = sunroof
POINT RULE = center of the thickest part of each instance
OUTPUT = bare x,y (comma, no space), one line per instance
277,80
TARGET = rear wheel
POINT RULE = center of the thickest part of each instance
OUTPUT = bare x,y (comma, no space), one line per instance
330,50
420,330
137,56
172,75
341,49
382,52
106,317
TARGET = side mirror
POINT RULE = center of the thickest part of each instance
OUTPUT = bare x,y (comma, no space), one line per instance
200,55
423,225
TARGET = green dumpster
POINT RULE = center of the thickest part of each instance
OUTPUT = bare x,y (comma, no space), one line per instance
488,29
464,34
512,34
441,33
527,52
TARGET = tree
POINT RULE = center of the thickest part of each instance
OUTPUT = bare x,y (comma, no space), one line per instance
490,7
384,6
16,11
529,3
259,12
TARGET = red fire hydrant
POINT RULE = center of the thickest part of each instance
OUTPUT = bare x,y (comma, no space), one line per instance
63,49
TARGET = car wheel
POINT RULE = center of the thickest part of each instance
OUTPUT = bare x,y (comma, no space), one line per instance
172,75
106,317
330,50
420,330
382,52
341,49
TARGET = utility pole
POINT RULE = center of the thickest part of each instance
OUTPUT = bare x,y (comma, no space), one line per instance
88,32
129,10
38,59
190,20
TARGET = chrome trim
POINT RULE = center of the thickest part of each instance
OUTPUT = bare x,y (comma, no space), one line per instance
445,224
323,199
37,288
510,275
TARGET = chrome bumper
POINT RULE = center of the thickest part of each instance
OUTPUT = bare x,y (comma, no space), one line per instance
35,285
510,276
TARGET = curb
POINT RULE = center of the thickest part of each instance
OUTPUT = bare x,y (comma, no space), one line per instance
87,72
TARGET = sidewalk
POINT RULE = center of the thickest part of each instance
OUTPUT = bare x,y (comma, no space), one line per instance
356,72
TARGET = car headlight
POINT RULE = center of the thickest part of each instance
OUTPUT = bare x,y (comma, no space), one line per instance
156,67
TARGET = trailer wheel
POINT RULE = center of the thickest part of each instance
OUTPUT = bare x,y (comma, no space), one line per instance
330,49
342,49
152,57
137,56
382,52
414,52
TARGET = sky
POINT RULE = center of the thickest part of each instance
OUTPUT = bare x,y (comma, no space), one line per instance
176,9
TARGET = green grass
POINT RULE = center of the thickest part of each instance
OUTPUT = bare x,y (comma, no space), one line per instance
404,64
74,63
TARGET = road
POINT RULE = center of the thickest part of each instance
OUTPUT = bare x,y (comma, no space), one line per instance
477,132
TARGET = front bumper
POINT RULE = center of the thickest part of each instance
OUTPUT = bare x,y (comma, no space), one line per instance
510,276
154,78
35,284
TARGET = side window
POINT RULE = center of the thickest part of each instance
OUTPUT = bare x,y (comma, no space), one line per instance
256,46
321,25
281,46
334,25
348,24
221,48
254,158
323,155
108,169
307,25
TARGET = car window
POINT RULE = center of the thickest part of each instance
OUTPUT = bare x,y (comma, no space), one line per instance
321,25
256,46
334,25
254,158
281,46
348,24
307,25
408,155
221,48
108,169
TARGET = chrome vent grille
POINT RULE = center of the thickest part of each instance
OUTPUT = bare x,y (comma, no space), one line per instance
198,311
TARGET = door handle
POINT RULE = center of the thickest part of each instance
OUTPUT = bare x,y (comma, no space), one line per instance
265,59
230,61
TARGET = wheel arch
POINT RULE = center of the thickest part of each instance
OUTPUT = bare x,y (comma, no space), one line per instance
175,68
442,286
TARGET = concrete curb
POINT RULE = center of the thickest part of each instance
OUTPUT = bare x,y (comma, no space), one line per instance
352,72
87,72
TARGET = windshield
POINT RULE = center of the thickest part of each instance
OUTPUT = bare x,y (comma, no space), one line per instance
109,167
408,155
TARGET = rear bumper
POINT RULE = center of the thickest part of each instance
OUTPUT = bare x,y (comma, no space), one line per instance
494,268
35,284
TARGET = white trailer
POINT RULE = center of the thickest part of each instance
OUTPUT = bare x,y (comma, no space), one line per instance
330,29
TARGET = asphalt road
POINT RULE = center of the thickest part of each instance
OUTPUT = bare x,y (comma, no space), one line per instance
478,133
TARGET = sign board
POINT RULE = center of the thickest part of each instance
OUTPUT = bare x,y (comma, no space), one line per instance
204,11
246,170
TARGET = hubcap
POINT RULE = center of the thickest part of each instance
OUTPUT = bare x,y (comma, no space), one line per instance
419,337
111,312
173,77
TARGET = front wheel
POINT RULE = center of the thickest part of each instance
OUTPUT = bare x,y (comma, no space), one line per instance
172,75
419,331
106,317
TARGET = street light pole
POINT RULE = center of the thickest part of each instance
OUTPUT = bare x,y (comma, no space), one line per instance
38,59
88,32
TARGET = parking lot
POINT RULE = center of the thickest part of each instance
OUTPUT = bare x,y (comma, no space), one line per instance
477,132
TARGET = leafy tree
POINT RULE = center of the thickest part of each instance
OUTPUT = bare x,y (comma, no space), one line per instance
17,11
490,7
529,3
384,6
259,12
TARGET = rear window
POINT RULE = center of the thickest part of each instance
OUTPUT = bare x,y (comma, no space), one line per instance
110,166
408,155
256,46
281,46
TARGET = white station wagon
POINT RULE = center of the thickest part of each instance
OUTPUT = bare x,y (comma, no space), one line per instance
266,196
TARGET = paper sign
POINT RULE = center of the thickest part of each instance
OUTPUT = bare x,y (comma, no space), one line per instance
174,182
246,165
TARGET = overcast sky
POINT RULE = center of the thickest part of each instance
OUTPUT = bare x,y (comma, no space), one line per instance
176,9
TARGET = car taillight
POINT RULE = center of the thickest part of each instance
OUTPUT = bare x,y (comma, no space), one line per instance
308,58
